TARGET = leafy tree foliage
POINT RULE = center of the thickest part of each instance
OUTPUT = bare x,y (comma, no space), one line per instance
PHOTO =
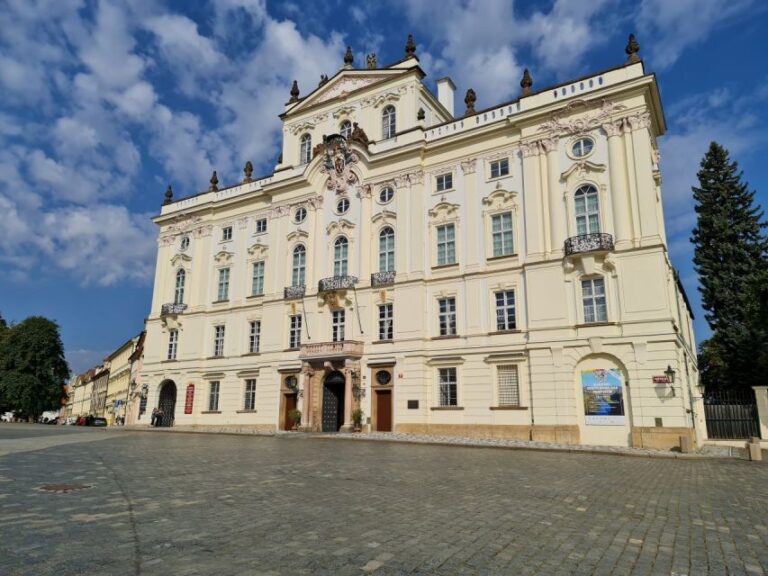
33,370
731,257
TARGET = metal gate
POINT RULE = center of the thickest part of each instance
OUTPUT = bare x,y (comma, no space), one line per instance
333,402
731,414
168,403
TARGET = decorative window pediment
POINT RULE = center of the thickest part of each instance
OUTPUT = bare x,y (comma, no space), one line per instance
223,257
258,251
179,258
297,235
340,226
302,127
500,200
444,212
581,171
384,217
345,111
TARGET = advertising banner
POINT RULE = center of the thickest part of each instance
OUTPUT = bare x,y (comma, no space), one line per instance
190,399
603,397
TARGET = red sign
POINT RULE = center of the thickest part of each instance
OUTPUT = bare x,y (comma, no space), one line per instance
190,400
661,379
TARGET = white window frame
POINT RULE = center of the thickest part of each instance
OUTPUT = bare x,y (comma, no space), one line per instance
294,332
261,226
257,278
223,286
299,265
446,247
345,129
589,216
173,343
507,396
448,386
219,332
590,300
386,322
500,166
503,310
338,325
446,316
579,143
249,396
254,336
226,233
214,388
341,256
305,149
181,280
444,182
388,122
387,249
506,235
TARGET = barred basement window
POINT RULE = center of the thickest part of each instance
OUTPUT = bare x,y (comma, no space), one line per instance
213,396
294,334
338,325
254,336
250,394
224,284
386,328
447,316
218,341
448,387
173,342
500,168
257,283
509,386
505,310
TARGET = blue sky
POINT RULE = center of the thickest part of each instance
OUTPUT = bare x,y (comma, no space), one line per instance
106,102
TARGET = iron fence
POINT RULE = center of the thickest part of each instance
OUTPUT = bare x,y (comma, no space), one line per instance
731,414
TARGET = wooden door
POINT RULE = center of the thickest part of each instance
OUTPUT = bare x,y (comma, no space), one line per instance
290,404
383,410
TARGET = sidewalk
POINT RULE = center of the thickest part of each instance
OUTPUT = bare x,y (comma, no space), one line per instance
436,440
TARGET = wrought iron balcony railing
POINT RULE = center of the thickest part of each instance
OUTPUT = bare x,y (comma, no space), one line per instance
294,292
167,309
589,243
343,349
336,283
383,278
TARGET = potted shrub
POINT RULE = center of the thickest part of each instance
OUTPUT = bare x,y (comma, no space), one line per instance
357,419
295,417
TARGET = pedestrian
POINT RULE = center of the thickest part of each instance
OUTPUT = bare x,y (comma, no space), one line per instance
153,420
160,414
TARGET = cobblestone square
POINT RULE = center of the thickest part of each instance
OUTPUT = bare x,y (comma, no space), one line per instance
205,504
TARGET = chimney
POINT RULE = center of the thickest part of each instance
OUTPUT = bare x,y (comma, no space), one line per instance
445,93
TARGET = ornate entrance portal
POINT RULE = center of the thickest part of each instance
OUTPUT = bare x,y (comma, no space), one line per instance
333,401
167,402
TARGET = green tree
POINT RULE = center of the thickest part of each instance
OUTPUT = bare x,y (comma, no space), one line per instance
731,255
33,370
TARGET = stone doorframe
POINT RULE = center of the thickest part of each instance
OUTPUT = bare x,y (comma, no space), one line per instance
312,376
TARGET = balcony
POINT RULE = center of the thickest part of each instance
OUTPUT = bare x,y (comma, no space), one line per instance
172,309
588,243
336,283
327,350
294,292
383,278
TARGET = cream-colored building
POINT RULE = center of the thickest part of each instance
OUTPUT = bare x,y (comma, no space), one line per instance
119,380
501,272
80,394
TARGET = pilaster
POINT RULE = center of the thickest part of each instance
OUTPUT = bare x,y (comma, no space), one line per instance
532,199
617,175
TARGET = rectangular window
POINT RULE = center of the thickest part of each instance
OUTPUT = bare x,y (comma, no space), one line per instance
448,387
249,402
218,341
505,310
447,316
338,325
294,334
501,231
509,386
446,244
593,297
254,336
223,284
173,342
213,396
257,282
226,234
500,168
445,181
386,328
261,225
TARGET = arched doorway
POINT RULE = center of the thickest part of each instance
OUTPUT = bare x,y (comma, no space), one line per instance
167,402
333,401
603,401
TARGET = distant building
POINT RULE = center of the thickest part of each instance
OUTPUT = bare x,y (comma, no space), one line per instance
137,391
99,379
500,272
119,379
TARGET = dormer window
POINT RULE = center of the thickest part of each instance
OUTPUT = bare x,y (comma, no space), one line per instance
346,129
305,154
388,122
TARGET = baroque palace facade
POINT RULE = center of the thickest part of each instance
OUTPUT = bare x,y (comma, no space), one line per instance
497,273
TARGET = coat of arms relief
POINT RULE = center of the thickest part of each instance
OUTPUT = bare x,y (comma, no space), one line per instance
337,164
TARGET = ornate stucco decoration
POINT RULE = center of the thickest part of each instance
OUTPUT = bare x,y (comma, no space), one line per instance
258,251
385,217
340,226
337,163
469,166
280,211
182,224
558,125
166,240
223,257
203,231
242,223
579,172
444,212
344,111
301,127
389,96
347,85
315,202
180,258
506,153
500,200
297,234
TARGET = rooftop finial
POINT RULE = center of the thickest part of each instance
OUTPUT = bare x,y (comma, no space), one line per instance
470,100
348,58
526,83
371,61
248,172
214,182
294,92
323,80
410,47
632,49
168,195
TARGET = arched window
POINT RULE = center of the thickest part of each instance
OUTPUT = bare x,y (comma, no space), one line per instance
340,256
346,129
306,149
299,265
181,277
388,122
587,210
386,250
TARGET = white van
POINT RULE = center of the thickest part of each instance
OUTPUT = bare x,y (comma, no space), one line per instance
7,417
49,415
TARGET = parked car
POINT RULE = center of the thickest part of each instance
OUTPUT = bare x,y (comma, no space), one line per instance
49,415
52,421
7,417
98,421
71,421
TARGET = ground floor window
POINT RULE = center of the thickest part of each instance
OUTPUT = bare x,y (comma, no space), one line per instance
294,334
448,386
250,394
509,388
386,331
213,396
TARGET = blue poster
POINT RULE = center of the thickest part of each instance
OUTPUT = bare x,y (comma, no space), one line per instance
603,401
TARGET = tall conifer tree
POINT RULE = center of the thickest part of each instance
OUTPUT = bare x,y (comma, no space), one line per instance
731,254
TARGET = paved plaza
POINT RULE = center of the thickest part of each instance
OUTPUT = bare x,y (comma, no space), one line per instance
204,504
